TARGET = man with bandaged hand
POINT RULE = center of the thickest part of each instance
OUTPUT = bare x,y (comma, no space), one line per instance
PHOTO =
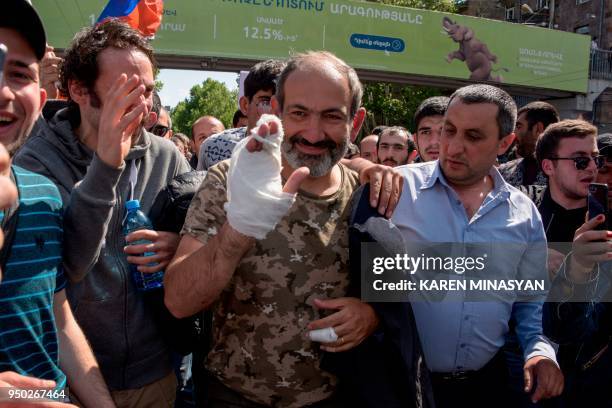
265,244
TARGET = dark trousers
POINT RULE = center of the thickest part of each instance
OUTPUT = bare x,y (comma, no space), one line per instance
220,396
484,388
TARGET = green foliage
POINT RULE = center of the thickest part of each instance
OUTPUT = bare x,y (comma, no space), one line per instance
393,104
210,98
448,6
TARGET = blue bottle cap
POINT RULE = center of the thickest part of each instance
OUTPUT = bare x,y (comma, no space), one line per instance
132,205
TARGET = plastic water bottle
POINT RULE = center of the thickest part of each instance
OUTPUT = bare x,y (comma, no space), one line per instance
134,221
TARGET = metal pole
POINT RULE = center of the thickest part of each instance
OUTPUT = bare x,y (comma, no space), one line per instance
551,12
602,9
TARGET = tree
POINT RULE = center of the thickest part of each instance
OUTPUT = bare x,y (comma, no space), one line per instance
393,104
210,98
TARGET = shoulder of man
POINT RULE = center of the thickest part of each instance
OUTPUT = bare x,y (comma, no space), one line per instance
34,187
534,192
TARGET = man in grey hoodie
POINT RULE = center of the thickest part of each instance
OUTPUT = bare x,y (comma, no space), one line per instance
99,155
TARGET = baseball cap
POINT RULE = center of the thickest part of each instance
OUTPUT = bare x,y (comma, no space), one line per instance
21,16
604,144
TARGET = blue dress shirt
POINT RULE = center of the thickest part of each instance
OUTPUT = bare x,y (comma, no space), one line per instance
462,335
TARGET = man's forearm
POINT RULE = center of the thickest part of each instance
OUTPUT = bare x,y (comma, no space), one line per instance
195,278
77,360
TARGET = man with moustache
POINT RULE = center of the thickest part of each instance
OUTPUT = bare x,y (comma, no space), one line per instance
472,203
272,268
38,334
532,119
428,120
395,147
99,155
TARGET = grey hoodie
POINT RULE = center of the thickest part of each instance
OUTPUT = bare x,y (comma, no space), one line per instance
112,313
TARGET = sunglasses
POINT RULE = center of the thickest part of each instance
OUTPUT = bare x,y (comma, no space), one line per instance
582,162
160,130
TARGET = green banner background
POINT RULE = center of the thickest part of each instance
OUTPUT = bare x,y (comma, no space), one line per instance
260,29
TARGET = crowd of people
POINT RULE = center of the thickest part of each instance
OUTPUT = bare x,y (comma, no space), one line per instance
258,229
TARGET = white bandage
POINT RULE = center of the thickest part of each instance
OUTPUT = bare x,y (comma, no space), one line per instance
326,335
255,198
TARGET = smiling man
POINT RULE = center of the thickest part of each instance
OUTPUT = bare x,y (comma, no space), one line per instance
471,203
277,266
39,336
99,155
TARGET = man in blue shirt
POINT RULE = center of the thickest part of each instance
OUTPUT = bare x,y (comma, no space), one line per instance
38,334
462,198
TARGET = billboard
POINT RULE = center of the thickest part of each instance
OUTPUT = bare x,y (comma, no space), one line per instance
365,34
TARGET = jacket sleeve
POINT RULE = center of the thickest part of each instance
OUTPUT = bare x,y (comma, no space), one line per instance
575,312
87,217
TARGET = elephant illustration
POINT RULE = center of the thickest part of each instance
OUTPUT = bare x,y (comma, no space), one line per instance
474,52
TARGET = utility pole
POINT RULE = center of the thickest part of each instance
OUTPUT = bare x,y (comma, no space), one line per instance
602,9
551,14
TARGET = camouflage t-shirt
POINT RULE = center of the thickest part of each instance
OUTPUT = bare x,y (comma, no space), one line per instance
259,345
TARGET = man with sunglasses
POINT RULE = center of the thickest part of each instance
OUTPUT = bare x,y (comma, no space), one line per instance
568,155
163,127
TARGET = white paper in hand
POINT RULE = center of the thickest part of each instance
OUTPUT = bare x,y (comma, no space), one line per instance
255,198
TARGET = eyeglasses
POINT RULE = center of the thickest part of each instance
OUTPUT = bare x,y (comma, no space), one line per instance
582,162
160,130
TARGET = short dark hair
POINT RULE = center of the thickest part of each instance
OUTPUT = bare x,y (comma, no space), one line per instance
300,60
548,141
157,105
482,93
237,116
396,130
539,111
80,61
434,106
378,130
262,77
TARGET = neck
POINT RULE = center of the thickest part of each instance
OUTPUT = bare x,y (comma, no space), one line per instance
7,171
564,201
482,185
319,186
87,135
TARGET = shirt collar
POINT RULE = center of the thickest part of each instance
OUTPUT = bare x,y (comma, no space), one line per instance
499,184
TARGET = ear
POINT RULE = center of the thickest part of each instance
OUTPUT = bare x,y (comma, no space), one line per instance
505,143
78,92
538,128
243,102
276,110
412,156
43,99
358,120
150,120
469,34
169,134
548,167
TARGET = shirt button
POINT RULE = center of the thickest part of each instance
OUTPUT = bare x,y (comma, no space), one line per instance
462,345
466,318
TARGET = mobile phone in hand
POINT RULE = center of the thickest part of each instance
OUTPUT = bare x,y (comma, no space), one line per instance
598,203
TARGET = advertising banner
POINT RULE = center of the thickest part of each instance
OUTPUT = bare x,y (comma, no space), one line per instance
365,34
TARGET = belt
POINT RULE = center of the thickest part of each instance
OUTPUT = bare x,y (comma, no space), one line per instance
455,375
